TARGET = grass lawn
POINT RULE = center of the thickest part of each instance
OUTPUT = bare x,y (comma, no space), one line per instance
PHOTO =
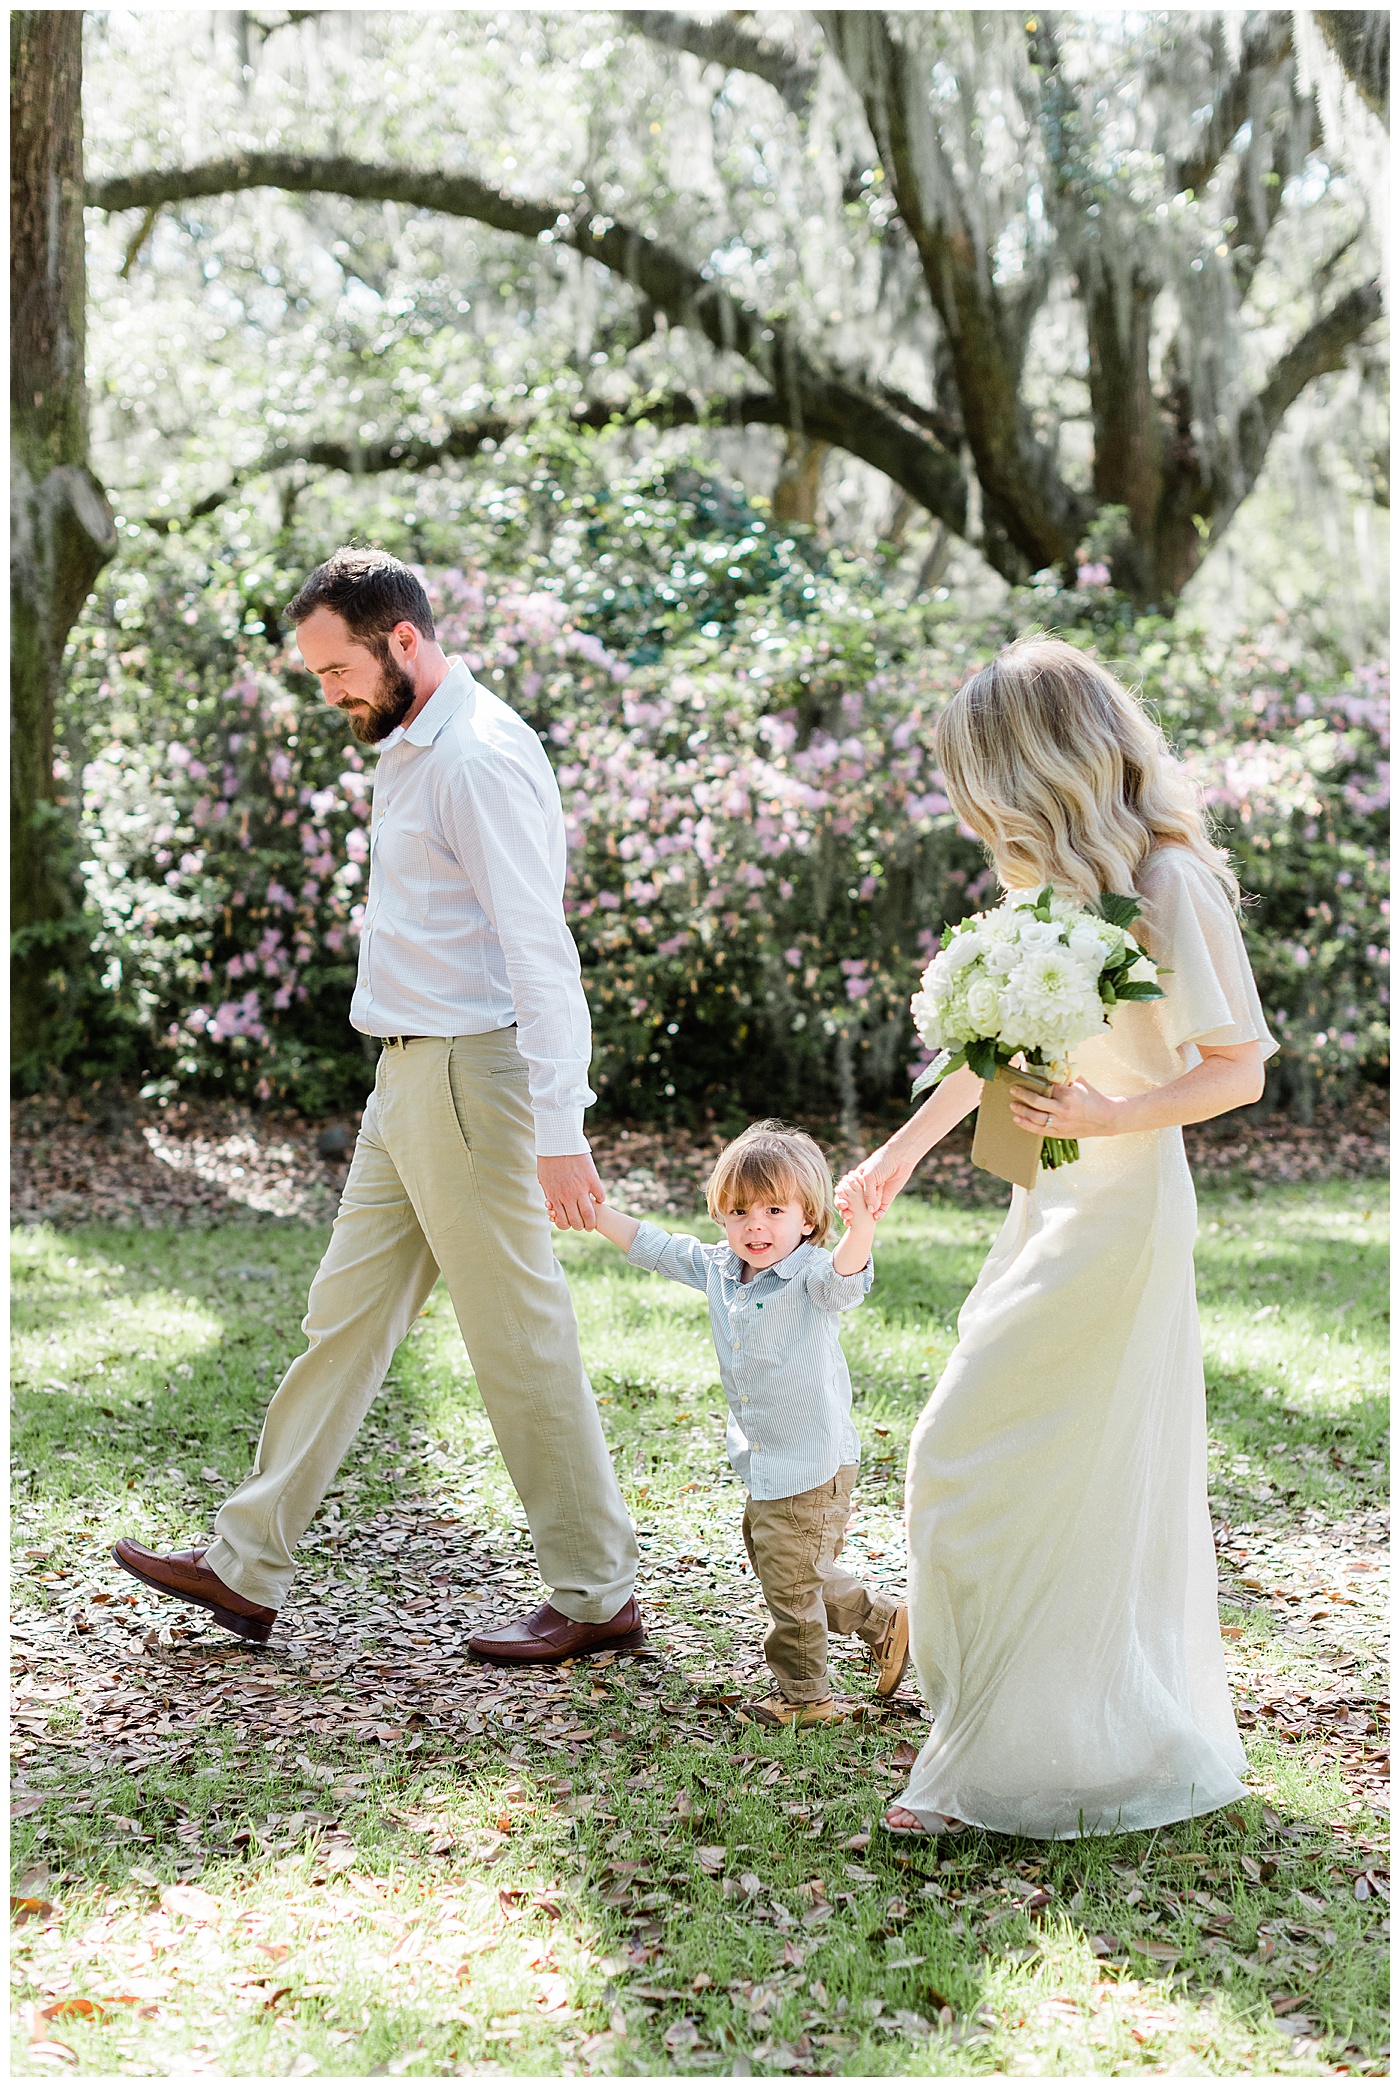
357,1852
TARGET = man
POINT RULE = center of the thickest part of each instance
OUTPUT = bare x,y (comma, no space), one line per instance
469,976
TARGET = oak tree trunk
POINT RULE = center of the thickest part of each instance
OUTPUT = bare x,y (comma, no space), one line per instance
61,525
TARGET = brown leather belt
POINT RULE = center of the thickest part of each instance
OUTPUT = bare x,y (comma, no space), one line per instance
390,1041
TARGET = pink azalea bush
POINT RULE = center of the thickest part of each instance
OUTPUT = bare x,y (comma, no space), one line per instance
762,855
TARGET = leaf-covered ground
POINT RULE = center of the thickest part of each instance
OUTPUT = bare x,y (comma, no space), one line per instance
360,1852
114,1158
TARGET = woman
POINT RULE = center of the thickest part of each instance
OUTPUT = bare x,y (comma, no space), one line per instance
1062,1583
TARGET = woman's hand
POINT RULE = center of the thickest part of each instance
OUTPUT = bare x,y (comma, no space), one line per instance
876,1183
1075,1111
1229,1076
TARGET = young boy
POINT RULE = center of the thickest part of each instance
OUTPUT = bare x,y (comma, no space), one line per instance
775,1297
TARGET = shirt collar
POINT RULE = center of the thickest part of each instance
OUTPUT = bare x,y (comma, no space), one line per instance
444,703
786,1269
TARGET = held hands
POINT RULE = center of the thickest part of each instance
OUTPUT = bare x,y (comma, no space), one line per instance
875,1183
858,1210
1075,1111
572,1190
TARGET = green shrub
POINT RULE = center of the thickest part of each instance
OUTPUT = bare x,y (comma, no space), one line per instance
762,856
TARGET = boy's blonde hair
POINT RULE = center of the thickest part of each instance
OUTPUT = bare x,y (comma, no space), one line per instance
771,1162
1064,775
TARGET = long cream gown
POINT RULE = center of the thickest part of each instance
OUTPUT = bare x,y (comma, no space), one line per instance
1062,1581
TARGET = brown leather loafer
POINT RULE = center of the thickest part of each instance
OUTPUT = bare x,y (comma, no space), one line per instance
185,1575
544,1635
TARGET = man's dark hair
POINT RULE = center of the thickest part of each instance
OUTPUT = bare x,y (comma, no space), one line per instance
369,591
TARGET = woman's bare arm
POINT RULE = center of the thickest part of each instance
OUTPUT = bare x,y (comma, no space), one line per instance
1228,1077
886,1171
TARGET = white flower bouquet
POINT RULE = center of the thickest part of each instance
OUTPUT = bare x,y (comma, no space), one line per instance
1027,982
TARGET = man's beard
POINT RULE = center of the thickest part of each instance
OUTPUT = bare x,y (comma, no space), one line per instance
392,702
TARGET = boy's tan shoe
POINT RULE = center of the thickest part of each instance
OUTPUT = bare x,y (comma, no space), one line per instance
890,1657
184,1575
777,1712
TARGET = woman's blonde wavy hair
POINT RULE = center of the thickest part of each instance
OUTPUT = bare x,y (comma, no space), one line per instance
1064,777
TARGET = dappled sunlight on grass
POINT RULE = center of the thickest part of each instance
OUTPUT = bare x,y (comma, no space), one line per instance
360,1852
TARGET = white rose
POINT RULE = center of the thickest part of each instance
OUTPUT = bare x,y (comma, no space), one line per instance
1040,934
963,950
984,1007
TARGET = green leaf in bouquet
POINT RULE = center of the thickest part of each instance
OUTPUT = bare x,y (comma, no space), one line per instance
1119,908
1140,989
981,1055
936,1070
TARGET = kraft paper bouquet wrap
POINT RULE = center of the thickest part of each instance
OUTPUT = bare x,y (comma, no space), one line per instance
1012,993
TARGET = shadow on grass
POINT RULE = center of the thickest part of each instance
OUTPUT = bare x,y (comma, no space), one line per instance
706,1902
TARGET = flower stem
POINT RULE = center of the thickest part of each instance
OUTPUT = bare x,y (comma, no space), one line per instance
1058,1152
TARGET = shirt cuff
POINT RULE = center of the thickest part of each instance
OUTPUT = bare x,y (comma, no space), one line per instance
839,1292
648,1247
559,1133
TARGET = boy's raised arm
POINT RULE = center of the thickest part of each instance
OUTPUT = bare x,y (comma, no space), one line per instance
613,1225
854,1250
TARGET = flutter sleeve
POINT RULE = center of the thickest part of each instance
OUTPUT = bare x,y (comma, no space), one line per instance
1194,934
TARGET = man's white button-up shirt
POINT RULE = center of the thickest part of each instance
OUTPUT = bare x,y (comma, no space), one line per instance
780,1358
464,928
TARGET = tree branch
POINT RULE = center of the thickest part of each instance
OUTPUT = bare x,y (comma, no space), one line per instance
1031,518
726,42
469,438
1323,347
816,401
1360,42
944,426
1267,45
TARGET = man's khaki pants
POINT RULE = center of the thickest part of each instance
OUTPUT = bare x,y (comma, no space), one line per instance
443,1179
793,1546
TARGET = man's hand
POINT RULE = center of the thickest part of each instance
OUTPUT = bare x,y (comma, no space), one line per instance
571,1189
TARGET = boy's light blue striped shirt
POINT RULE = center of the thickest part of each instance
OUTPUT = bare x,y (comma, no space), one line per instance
780,1361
